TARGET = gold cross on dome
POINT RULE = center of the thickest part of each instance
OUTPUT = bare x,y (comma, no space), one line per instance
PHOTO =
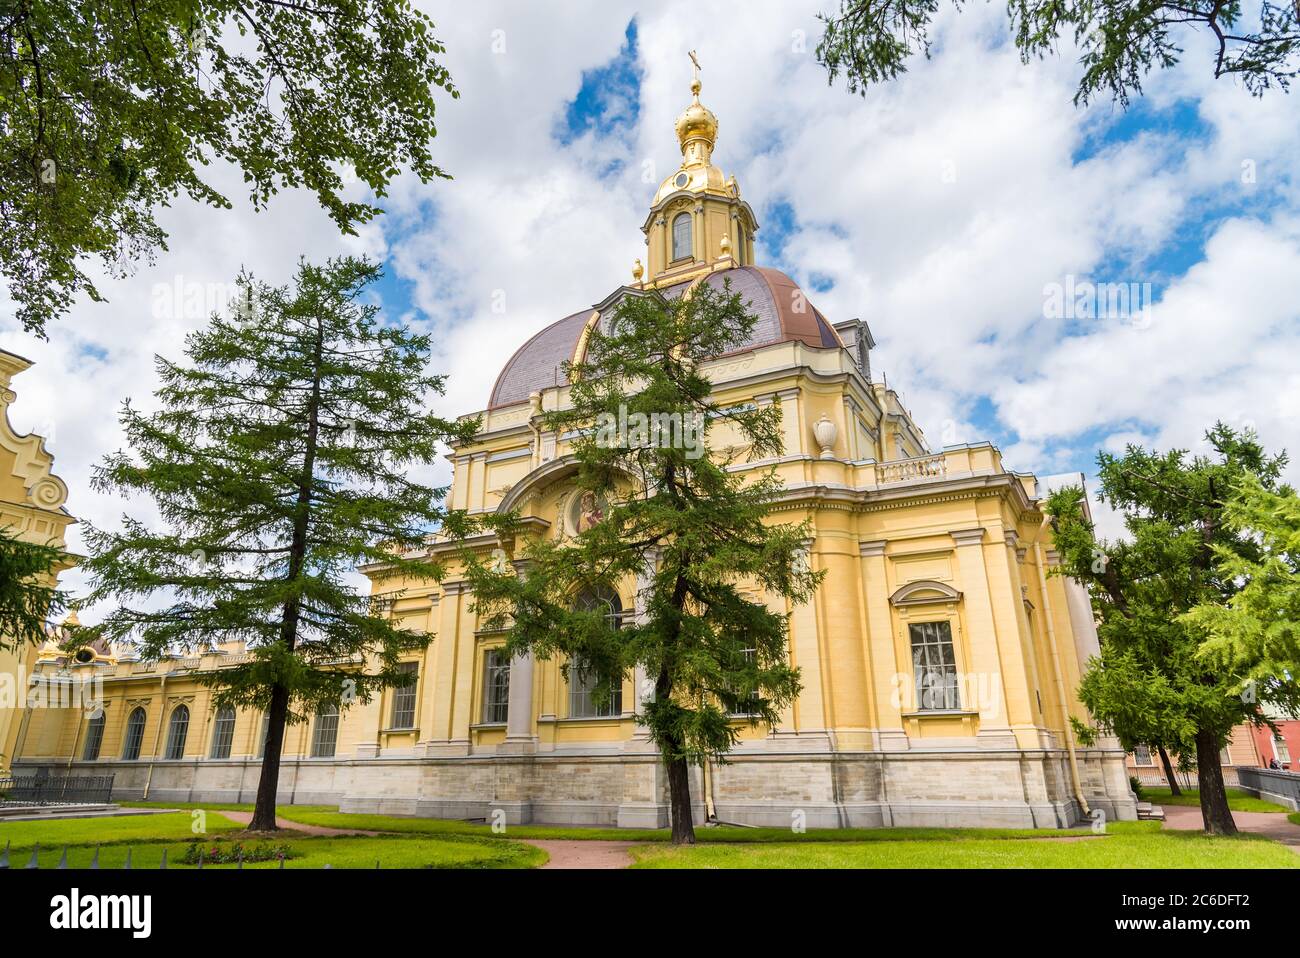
696,61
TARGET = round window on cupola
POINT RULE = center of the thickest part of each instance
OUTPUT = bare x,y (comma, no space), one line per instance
681,179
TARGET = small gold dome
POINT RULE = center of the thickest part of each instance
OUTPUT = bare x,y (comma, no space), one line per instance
697,121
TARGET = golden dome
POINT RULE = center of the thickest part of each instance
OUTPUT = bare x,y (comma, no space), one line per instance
697,121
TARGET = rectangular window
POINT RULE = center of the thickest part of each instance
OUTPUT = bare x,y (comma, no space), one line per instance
1281,750
496,688
582,683
404,697
325,736
1142,755
934,668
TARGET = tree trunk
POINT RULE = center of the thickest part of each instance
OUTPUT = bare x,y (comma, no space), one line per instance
679,793
269,781
1169,771
1209,777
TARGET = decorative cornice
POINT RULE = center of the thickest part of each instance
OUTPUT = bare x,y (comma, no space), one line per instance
968,537
874,547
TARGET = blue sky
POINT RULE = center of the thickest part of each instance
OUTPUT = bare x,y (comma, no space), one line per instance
940,207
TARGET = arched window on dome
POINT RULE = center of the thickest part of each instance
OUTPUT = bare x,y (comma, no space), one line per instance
682,236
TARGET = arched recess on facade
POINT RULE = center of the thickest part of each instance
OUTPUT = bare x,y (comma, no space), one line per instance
541,479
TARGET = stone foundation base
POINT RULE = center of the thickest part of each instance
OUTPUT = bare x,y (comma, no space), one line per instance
949,788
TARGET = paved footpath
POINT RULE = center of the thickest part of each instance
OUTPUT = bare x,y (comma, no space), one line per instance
1272,825
563,854
585,854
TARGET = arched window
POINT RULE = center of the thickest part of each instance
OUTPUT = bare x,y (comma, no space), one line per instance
682,236
582,680
177,729
325,736
223,733
134,736
94,737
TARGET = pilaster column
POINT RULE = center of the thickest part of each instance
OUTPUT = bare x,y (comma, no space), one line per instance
882,659
808,715
642,684
444,715
519,715
984,647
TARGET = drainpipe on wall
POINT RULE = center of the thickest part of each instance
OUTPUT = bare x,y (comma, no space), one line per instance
76,740
1056,669
162,716
710,814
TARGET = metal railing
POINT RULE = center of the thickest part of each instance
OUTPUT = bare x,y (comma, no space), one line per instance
1269,784
56,790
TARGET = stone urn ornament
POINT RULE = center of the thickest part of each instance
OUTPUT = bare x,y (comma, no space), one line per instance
825,431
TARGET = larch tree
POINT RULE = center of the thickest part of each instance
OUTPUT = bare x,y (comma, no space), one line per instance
279,458
29,594
692,523
1152,681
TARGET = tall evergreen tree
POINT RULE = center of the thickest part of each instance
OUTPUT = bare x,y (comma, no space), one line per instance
697,533
29,595
1258,630
1152,682
277,459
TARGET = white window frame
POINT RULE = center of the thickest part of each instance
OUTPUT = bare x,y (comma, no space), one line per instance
923,669
404,698
496,678
223,733
325,728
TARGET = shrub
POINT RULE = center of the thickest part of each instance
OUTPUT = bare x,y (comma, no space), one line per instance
227,853
1135,783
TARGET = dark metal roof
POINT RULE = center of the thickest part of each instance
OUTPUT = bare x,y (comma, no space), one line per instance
783,314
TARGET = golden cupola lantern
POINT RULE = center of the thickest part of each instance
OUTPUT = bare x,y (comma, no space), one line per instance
697,206
697,127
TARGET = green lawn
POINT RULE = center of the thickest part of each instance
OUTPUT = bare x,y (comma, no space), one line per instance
1126,845
356,852
1238,800
435,843
434,826
147,835
168,826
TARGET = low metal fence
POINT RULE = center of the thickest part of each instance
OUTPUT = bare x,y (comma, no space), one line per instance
1267,783
56,790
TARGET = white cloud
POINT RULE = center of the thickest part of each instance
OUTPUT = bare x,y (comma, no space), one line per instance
940,206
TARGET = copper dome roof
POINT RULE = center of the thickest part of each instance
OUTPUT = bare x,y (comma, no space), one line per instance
784,314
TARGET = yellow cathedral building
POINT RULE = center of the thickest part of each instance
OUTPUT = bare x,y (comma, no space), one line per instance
939,658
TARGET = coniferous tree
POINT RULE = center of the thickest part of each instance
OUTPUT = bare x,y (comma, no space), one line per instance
1153,681
277,460
696,533
29,596
1259,627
